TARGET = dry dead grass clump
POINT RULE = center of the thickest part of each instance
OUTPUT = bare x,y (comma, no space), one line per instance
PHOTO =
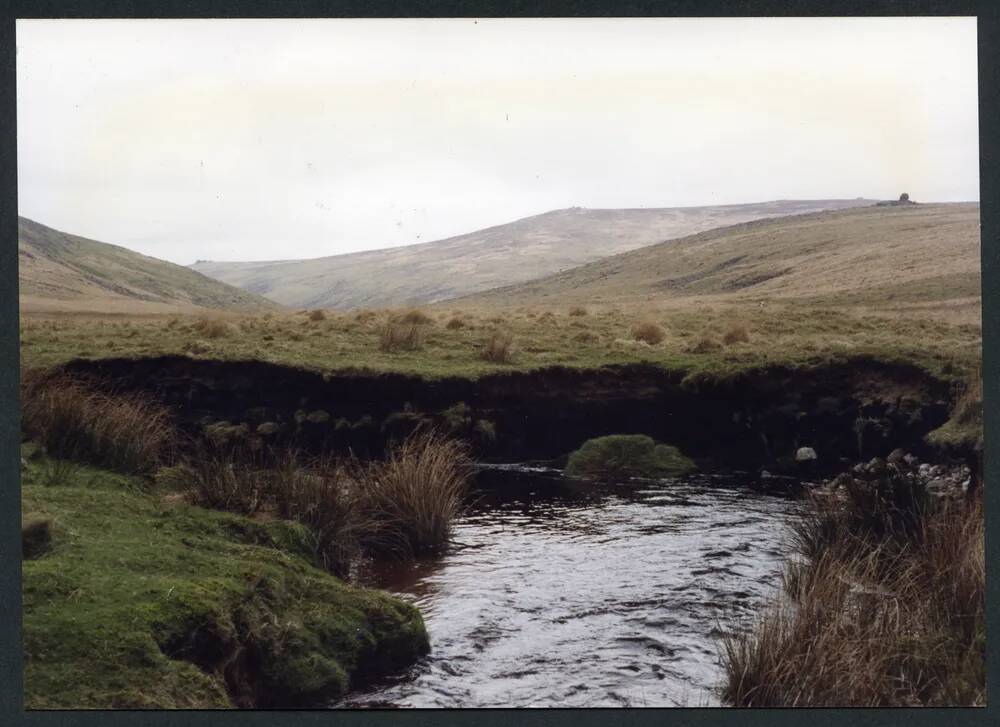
128,433
577,311
212,327
888,609
415,493
499,347
415,317
705,344
648,332
400,336
737,334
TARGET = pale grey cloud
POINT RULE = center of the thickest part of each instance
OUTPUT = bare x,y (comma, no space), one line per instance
263,139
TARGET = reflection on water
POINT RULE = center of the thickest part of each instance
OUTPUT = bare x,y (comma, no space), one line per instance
560,594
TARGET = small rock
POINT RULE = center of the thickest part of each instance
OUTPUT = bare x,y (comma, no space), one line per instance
805,454
924,470
910,460
896,456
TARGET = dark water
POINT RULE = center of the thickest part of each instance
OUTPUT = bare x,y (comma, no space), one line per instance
571,595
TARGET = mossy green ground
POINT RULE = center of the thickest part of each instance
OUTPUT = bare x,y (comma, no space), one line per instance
142,601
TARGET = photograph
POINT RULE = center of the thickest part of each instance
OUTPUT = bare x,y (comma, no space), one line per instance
459,363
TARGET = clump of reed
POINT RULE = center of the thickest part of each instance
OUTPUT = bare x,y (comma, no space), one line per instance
415,493
74,420
401,336
220,477
887,607
499,347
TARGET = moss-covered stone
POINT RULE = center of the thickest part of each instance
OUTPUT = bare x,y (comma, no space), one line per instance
620,456
142,602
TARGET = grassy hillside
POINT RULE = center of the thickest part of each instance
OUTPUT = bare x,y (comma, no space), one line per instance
882,257
522,250
62,272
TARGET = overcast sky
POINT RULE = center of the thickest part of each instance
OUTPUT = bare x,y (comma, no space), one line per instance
276,139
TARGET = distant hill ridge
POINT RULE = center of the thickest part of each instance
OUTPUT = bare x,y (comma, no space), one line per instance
515,252
58,271
899,254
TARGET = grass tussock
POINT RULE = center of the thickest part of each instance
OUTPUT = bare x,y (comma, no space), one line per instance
499,347
401,336
705,344
648,332
415,493
455,323
415,317
887,608
739,333
618,457
212,327
317,315
128,433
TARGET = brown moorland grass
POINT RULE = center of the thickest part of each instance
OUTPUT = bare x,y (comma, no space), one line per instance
793,335
127,433
887,608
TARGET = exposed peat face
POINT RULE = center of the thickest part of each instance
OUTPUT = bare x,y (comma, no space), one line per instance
844,411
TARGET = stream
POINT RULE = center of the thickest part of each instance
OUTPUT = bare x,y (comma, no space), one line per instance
566,594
